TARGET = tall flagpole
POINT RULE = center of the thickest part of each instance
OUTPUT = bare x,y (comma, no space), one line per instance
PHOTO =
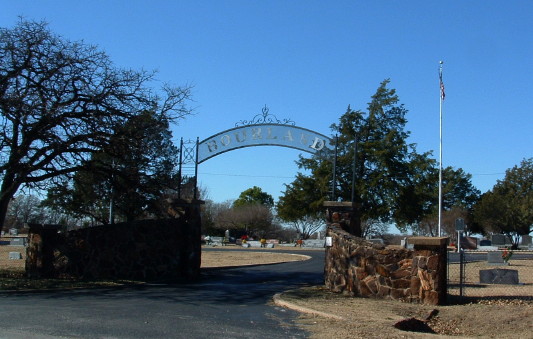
441,90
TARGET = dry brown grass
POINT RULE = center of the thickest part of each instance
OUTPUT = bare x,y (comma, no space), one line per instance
5,262
245,258
485,311
375,318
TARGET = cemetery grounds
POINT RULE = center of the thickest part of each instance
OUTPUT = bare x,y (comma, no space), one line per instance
485,311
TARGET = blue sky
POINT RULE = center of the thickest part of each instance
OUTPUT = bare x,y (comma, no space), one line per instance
308,60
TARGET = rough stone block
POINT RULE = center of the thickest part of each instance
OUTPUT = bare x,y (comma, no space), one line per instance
430,297
384,252
422,262
384,281
341,281
392,266
433,262
370,269
433,280
381,270
384,291
371,283
401,273
414,266
360,273
401,283
406,263
365,291
397,293
424,280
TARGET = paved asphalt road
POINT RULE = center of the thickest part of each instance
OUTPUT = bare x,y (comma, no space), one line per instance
228,303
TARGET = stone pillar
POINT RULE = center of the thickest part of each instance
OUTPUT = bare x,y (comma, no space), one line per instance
430,259
42,240
360,268
339,214
191,250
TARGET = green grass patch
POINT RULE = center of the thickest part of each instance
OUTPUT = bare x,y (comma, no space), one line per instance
16,280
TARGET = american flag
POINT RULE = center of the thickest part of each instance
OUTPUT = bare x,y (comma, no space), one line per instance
442,94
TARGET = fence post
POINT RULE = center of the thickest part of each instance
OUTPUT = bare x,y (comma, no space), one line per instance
461,272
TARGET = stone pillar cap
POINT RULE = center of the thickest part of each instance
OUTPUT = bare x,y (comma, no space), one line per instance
338,203
428,241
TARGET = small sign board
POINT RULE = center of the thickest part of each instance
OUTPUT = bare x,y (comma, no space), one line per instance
459,225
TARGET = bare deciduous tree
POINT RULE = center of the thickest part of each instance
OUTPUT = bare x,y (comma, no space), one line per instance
307,226
61,101
374,228
23,209
255,219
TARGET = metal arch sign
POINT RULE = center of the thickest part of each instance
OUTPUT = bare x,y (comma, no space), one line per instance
267,134
263,130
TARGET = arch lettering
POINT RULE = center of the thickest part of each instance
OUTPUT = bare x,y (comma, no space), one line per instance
263,135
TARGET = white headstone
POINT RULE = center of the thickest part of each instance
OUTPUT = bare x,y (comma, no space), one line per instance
495,258
15,255
498,240
526,240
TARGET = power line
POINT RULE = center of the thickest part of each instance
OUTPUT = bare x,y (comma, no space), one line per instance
488,173
285,177
246,175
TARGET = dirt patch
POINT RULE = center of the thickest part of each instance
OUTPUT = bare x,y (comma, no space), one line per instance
373,318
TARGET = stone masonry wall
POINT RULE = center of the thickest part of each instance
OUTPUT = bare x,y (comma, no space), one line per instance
360,268
147,250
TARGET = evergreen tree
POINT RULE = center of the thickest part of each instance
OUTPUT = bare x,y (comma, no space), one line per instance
131,175
508,207
382,166
419,199
254,195
393,183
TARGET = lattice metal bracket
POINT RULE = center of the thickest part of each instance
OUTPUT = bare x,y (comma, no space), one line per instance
189,151
265,118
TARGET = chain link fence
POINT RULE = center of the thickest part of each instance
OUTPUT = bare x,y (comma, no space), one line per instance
483,275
